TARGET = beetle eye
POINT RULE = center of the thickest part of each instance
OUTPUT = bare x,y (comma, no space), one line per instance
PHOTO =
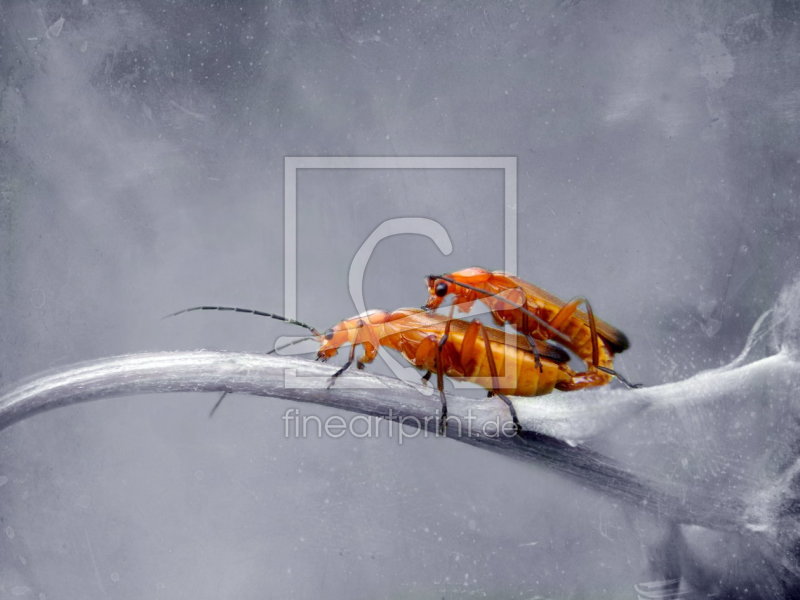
441,289
329,334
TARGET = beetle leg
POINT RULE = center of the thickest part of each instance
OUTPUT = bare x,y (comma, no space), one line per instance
537,359
578,381
440,369
560,320
440,386
518,297
495,381
344,367
426,378
566,312
503,305
470,356
620,377
216,406
370,353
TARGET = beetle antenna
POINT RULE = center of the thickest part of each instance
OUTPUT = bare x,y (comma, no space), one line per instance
249,311
292,343
542,322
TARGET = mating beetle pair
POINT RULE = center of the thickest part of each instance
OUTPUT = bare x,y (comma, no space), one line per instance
518,365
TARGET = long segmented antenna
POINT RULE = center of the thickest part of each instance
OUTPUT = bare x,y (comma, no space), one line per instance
542,322
249,311
292,343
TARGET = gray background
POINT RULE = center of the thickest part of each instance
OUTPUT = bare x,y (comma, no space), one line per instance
141,164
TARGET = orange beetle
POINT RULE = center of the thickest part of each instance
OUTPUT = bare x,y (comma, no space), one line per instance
538,315
469,351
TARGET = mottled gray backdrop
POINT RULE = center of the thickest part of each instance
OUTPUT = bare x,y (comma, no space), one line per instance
141,171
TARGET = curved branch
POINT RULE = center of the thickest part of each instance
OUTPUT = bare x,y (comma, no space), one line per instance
471,421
